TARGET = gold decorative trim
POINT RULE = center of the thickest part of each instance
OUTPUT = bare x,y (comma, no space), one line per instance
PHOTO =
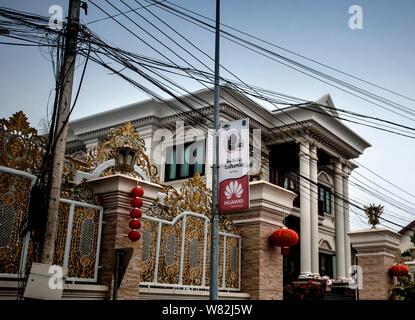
20,146
123,136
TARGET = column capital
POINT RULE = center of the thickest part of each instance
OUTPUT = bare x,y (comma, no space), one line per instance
349,166
304,148
338,165
313,152
90,143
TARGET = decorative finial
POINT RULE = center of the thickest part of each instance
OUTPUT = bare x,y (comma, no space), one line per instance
373,212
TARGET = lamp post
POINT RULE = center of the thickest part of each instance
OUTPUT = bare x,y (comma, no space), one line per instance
125,159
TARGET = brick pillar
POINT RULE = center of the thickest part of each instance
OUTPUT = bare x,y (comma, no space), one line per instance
261,263
114,192
376,250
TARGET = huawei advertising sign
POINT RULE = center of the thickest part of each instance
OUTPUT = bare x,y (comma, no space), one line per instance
234,165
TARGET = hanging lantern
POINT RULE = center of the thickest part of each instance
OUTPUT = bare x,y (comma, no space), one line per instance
134,224
135,213
284,238
399,270
125,158
137,192
136,202
134,235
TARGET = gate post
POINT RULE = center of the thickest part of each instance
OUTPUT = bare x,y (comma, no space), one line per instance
261,263
376,250
114,193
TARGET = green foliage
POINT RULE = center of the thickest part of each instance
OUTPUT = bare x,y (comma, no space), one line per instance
405,290
304,291
413,238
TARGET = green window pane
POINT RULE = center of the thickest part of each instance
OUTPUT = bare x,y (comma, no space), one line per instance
328,201
184,168
321,194
172,164
199,156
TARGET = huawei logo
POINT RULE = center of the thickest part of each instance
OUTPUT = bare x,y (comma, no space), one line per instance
233,188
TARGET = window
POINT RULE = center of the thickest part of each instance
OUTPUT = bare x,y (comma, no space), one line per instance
324,199
290,182
326,265
184,161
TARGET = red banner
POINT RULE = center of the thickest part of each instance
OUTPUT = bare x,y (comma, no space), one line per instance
234,194
234,165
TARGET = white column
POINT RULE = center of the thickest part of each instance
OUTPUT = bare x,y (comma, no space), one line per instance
348,254
314,212
305,234
338,200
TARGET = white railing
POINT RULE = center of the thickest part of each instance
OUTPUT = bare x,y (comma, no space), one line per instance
206,245
70,233
24,243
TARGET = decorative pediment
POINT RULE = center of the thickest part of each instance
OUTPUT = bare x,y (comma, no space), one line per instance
325,178
327,101
324,244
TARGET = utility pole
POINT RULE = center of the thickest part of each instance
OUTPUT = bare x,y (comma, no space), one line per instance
58,154
214,245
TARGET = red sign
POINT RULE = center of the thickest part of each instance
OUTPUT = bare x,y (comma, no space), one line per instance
234,165
234,194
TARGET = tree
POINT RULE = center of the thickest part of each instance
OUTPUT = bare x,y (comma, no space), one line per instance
405,290
413,238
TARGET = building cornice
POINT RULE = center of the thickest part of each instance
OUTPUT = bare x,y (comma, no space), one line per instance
319,135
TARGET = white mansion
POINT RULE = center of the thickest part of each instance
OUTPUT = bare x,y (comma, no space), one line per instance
306,150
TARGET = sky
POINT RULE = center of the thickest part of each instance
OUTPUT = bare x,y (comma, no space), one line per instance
381,52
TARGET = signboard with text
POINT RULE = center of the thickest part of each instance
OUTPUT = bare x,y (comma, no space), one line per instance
234,165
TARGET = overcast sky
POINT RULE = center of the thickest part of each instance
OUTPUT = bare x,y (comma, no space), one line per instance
381,52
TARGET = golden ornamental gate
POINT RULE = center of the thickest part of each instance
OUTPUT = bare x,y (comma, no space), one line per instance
80,218
176,241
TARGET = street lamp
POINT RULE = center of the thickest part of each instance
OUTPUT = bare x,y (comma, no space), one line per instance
125,159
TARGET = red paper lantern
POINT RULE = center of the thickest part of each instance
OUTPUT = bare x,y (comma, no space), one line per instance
134,235
135,214
137,192
284,238
134,224
399,270
136,203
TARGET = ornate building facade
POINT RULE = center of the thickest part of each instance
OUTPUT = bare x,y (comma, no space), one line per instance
304,149
299,179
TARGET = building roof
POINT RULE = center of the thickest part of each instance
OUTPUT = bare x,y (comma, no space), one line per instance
408,227
317,120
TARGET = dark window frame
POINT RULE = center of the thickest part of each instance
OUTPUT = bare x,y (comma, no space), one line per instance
324,199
